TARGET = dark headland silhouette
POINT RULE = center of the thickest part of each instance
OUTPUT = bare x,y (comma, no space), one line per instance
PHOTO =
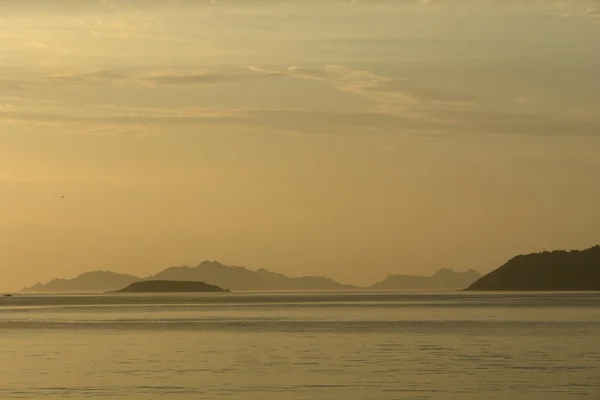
575,270
170,287
242,279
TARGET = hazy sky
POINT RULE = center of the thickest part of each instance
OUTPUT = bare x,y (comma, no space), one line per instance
350,139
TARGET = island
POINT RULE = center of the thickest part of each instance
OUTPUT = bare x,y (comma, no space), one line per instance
559,270
171,287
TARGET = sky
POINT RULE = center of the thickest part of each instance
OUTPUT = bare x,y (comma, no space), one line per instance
349,139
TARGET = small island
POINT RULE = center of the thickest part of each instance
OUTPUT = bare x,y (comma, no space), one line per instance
171,287
559,270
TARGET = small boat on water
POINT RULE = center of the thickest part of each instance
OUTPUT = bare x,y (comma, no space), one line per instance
8,295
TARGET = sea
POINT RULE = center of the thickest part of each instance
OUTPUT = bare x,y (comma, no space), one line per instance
309,346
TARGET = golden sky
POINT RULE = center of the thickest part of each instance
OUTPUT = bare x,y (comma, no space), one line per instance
351,139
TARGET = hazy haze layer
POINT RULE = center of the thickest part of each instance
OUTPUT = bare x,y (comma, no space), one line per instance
350,139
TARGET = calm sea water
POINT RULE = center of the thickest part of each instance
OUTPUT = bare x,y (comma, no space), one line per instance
365,346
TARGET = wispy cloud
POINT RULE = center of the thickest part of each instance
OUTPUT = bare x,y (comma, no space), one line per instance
594,12
194,78
148,78
420,121
371,85
86,78
9,84
524,99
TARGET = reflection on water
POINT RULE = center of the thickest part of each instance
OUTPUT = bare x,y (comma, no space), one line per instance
301,346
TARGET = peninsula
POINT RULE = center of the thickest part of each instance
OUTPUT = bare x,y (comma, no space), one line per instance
171,287
559,270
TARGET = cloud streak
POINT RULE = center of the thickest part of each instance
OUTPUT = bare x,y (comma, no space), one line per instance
424,121
101,77
401,107
150,78
9,84
195,78
371,85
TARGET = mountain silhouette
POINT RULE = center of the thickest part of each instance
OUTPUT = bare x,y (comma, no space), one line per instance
170,287
282,282
211,272
549,270
243,279
444,279
93,282
214,273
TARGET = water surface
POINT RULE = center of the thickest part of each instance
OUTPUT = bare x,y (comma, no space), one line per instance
318,346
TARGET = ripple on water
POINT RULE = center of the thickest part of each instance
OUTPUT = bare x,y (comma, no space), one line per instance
470,351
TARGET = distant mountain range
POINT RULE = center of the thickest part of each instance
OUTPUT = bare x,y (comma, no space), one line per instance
555,270
444,279
242,279
550,270
89,282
